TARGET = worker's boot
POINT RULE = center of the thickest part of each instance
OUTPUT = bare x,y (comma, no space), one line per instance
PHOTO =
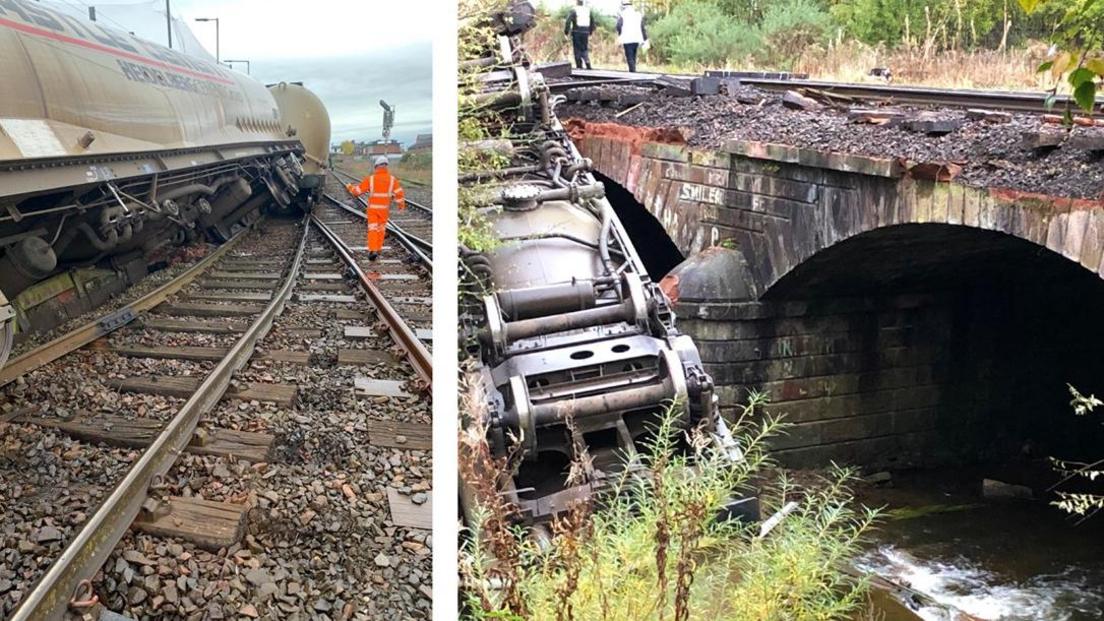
372,256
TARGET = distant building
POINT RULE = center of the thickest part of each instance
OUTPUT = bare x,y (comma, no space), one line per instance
378,148
424,142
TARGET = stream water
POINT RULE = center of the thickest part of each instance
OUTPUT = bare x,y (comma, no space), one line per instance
992,560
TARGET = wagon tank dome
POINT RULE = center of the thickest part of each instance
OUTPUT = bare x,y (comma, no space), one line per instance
304,116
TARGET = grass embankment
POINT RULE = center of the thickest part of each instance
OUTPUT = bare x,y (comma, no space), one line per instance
918,62
415,170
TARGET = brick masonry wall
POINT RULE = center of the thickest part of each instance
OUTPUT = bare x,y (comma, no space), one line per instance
882,380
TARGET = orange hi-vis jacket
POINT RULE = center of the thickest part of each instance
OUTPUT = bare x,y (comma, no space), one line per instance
382,187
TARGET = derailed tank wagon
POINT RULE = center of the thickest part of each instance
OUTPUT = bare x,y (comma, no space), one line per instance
576,347
114,149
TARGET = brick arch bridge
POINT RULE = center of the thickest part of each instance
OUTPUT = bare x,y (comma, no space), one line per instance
891,313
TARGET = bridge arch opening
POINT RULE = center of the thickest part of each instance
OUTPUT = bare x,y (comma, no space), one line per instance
656,248
929,344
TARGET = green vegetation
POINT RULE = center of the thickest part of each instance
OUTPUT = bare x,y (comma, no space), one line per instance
950,43
1080,503
656,547
1080,30
475,124
704,32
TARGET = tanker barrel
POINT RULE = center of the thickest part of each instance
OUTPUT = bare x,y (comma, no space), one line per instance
548,300
637,398
540,326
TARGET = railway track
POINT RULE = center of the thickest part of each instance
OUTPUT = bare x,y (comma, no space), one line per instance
251,439
415,222
1009,101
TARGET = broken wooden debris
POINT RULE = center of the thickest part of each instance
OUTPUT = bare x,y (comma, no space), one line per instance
369,387
1042,140
141,432
180,325
405,512
359,332
796,101
1088,142
412,436
184,387
874,116
208,310
678,87
208,524
989,116
934,171
361,357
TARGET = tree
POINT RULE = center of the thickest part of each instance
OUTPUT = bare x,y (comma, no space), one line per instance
1080,33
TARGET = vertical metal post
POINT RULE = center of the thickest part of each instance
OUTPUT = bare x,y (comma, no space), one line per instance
168,21
217,39
92,13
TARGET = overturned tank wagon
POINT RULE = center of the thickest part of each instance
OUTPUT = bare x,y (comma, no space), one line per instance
577,347
304,116
114,149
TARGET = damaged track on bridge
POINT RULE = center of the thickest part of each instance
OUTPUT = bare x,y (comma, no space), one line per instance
841,92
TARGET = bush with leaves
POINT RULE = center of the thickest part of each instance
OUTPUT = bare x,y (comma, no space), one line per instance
1080,63
656,547
699,32
792,26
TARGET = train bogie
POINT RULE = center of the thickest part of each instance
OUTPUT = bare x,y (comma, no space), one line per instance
578,353
303,115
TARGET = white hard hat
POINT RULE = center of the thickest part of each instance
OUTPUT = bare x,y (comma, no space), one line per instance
382,161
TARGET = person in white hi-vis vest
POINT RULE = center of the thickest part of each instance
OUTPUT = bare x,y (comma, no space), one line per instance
382,187
579,26
631,32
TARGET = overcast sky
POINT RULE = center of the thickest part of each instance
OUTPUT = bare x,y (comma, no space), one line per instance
352,53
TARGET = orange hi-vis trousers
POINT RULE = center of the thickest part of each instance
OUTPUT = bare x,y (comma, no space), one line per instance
382,187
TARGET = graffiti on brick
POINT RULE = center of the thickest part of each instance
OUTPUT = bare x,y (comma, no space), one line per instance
692,192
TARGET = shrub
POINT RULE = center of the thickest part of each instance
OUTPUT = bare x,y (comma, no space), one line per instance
656,548
792,26
700,32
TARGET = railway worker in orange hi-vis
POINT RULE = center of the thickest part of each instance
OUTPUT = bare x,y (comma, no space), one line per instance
382,187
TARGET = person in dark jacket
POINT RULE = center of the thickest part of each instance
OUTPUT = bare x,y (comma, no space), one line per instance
631,32
580,25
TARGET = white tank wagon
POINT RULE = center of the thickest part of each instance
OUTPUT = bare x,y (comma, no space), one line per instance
113,148
304,116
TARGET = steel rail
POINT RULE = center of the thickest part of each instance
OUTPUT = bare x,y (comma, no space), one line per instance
403,334
1014,101
351,179
416,245
110,322
87,552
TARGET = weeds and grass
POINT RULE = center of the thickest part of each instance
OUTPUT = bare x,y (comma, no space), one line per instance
1083,504
476,123
417,169
963,47
656,548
